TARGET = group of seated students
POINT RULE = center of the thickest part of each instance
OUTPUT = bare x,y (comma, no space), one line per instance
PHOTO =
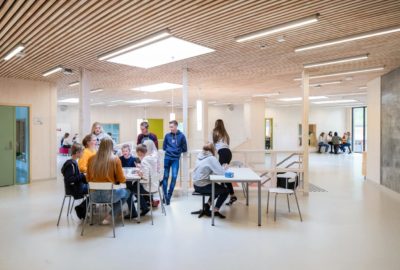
88,165
94,161
334,142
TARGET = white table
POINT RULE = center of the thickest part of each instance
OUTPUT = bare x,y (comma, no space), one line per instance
241,175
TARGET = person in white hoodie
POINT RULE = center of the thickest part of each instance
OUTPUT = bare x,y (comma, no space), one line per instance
98,132
206,165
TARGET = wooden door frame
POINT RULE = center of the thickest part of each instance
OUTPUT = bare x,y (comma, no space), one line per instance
29,106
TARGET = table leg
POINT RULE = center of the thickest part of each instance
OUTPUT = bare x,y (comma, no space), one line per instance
212,202
138,200
259,203
247,193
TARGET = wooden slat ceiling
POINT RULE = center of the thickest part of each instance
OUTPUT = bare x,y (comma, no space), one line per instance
73,33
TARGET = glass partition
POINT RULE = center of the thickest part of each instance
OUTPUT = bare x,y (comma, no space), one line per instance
22,145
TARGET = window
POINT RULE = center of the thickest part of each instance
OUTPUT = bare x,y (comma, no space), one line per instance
112,129
359,120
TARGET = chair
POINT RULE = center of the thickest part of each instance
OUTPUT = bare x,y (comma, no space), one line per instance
202,211
239,164
96,186
290,189
150,195
70,208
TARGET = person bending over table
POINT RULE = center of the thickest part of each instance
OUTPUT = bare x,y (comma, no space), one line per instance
106,167
206,165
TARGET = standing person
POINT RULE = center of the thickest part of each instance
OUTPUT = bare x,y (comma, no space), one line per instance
336,141
97,130
221,141
146,135
106,167
207,165
89,142
346,142
75,181
329,140
66,141
322,142
174,145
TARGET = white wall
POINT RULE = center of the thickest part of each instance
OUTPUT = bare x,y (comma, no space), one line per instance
374,130
42,99
286,122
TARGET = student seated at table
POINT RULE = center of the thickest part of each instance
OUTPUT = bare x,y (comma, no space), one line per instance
148,172
127,159
75,181
106,167
336,141
89,142
346,142
322,142
206,165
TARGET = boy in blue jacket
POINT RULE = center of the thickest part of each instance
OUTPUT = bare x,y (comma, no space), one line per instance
174,145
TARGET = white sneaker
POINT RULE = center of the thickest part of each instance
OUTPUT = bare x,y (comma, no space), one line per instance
106,222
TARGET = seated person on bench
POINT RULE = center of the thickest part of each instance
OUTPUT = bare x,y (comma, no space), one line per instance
206,165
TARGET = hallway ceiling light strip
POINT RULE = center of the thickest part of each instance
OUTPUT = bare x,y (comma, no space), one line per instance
335,101
143,42
52,71
347,94
158,87
142,101
344,73
267,94
96,90
348,38
69,100
74,84
278,28
14,52
337,61
325,83
300,98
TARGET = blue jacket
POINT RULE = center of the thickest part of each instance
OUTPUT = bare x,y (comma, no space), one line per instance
174,145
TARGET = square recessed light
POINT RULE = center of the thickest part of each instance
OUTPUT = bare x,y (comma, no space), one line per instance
160,52
142,101
69,100
158,87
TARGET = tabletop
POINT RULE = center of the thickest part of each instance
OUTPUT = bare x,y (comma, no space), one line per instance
240,175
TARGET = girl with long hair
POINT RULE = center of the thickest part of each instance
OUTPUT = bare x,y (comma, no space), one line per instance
106,167
221,141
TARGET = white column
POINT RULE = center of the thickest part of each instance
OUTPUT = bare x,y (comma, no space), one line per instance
305,129
84,103
185,157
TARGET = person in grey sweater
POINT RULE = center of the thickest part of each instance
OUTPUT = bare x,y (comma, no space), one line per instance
206,165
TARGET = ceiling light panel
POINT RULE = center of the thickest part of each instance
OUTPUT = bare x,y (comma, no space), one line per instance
279,28
161,52
158,87
53,70
69,100
344,73
96,90
74,84
14,52
336,61
335,101
142,101
348,39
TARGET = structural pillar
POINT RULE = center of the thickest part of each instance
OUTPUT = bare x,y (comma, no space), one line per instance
185,110
305,130
84,103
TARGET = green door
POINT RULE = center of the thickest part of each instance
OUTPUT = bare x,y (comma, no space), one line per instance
7,139
157,127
